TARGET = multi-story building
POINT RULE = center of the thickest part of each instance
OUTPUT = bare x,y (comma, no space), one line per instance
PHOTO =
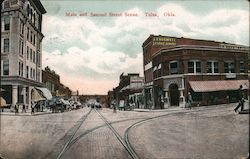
52,82
129,90
211,71
21,39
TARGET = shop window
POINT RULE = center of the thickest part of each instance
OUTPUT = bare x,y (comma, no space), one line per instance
194,66
242,67
7,23
6,45
197,96
212,67
173,66
6,67
229,67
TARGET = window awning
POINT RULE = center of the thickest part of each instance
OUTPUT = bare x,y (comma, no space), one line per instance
3,102
45,92
36,96
223,85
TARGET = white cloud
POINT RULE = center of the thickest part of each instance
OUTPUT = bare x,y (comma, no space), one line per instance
113,49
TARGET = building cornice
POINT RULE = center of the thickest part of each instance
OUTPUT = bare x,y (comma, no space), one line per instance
196,47
17,80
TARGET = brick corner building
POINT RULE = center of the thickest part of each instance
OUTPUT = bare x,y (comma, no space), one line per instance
212,71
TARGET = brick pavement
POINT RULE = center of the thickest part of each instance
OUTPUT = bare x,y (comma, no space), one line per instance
168,137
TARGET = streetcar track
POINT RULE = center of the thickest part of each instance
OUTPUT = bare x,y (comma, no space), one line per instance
76,127
125,142
131,152
126,137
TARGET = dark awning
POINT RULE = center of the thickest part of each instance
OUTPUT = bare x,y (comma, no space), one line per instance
223,85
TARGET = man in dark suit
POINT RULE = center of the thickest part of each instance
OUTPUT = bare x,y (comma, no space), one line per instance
241,99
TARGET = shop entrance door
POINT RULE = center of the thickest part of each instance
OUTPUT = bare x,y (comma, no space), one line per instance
174,95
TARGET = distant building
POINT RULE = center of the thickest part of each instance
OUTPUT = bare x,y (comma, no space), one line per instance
21,38
129,90
52,81
103,99
212,71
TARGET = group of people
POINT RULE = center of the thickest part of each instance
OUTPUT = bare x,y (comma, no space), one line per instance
240,105
16,107
33,106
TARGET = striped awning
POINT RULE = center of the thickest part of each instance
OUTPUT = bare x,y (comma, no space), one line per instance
223,85
37,96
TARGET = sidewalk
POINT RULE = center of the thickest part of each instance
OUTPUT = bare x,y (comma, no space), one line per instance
9,113
246,107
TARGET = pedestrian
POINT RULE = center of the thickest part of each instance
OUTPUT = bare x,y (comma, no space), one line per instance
23,110
114,107
189,100
16,108
240,99
32,107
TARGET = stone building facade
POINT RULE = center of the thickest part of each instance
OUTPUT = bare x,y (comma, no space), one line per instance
21,51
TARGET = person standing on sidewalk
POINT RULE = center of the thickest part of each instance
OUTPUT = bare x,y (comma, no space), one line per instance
23,110
16,108
189,100
241,99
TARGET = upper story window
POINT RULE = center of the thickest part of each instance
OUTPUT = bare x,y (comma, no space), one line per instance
27,71
6,4
229,67
34,39
31,73
6,46
7,23
27,53
20,69
31,57
34,17
31,36
242,67
21,27
21,47
34,56
13,2
28,33
6,67
28,10
173,67
212,67
194,66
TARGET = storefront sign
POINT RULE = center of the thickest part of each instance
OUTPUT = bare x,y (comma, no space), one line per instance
164,41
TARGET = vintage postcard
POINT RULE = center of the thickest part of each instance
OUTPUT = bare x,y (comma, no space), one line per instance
113,79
